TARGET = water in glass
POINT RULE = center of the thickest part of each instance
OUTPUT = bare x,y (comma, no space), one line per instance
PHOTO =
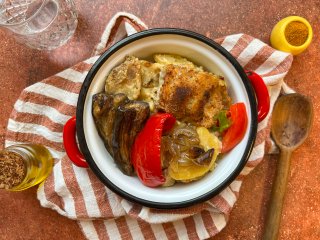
40,24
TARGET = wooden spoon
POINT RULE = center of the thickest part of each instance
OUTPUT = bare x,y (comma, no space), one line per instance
291,121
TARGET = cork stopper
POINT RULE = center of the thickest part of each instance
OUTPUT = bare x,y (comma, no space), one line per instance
12,169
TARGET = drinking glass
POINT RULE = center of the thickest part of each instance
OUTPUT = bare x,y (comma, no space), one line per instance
40,24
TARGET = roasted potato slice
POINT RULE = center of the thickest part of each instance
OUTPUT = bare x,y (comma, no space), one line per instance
125,78
173,59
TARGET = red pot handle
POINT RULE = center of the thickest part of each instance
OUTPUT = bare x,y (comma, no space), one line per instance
70,144
262,94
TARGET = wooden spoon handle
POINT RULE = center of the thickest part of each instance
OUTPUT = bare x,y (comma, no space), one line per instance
277,196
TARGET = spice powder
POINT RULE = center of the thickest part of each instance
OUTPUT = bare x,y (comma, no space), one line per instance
296,33
12,169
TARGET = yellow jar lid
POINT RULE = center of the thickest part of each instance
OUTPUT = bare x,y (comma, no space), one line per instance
278,39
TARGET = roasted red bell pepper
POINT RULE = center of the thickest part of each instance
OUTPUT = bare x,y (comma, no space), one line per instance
239,121
145,153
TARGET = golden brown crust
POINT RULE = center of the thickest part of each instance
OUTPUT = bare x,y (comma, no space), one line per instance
173,84
192,95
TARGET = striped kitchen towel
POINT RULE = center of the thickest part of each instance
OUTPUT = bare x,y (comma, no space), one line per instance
43,108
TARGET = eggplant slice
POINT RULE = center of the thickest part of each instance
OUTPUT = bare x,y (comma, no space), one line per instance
130,119
118,121
104,112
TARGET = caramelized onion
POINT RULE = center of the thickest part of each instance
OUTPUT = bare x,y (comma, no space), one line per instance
182,145
185,135
205,158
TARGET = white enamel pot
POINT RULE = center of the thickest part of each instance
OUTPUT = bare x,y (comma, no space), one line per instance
203,52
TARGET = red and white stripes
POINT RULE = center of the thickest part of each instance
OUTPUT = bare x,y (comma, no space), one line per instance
43,108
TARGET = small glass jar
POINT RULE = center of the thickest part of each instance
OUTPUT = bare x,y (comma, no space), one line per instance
34,160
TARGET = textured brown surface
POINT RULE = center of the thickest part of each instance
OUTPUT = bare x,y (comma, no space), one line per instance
21,215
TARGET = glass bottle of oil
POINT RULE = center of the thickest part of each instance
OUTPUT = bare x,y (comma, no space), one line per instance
24,166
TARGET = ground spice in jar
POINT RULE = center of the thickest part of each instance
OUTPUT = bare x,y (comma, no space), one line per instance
296,33
12,169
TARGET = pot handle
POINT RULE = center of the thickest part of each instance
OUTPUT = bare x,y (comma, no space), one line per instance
262,94
70,144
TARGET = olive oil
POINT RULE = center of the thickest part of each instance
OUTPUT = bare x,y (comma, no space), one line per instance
38,164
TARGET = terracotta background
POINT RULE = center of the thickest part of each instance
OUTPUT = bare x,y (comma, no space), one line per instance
21,215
